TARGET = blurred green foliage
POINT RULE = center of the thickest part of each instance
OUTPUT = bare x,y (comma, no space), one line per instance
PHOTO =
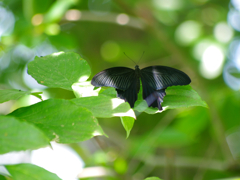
187,143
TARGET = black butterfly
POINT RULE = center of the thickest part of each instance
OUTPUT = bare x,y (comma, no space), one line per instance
155,79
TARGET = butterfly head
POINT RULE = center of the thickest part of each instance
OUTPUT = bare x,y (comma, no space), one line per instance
136,67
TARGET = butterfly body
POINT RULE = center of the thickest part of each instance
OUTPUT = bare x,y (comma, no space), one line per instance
155,79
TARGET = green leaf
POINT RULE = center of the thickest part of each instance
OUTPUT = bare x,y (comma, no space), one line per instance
104,106
61,120
37,95
127,123
16,135
30,172
12,94
59,70
152,178
182,96
2,177
176,97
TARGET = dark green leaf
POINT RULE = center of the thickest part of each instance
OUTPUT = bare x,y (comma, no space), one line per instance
16,135
30,172
59,70
61,120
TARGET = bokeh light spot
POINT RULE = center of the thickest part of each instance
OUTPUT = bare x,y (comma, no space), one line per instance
223,32
200,47
73,15
110,51
168,5
187,32
52,29
236,4
37,19
122,19
212,62
7,21
233,19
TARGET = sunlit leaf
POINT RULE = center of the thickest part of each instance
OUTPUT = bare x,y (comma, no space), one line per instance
104,106
12,94
61,120
30,172
127,123
17,135
59,70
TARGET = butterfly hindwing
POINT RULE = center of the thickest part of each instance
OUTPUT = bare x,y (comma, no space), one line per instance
155,79
161,77
153,97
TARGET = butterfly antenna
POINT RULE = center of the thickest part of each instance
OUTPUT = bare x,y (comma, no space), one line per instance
141,57
129,58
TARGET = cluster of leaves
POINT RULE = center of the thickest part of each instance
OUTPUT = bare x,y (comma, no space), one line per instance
72,120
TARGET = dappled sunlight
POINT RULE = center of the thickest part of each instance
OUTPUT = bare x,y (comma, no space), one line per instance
96,171
129,113
83,78
67,167
57,53
84,89
97,133
116,102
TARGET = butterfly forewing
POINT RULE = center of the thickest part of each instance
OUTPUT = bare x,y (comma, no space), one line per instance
117,77
161,77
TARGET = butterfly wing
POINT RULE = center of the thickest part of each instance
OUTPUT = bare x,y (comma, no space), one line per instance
117,77
155,79
123,79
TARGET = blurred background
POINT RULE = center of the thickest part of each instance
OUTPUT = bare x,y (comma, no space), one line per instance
199,37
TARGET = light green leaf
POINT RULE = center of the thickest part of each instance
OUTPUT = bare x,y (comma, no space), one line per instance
16,135
12,94
61,120
152,178
30,172
127,123
59,70
104,106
